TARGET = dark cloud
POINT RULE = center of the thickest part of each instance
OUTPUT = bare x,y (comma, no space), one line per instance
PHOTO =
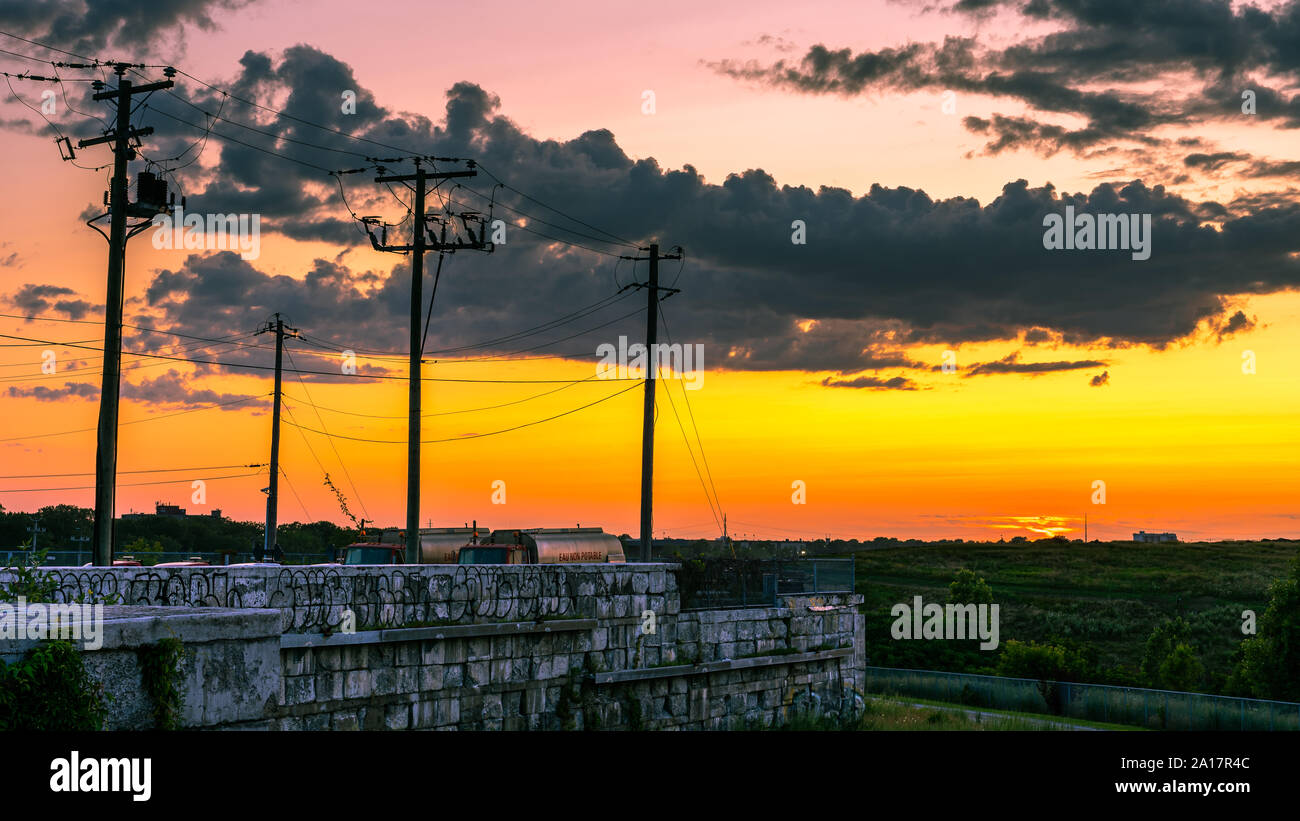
43,299
1037,336
1100,379
1011,364
89,26
1237,323
1215,161
897,383
173,388
1098,65
880,271
70,390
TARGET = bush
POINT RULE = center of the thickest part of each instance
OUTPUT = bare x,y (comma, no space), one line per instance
50,690
1270,661
1162,642
1181,669
967,588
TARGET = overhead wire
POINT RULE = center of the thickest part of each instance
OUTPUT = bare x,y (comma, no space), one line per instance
121,472
474,435
320,373
337,455
699,442
138,421
133,484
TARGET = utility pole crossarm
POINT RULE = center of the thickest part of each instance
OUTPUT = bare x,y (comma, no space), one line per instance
428,175
108,138
126,88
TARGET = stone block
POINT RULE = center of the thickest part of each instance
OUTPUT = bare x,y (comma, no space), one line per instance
346,720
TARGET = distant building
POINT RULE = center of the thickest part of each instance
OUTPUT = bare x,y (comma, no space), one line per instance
1143,536
172,511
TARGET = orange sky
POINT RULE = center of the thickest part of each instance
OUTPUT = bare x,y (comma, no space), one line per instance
1182,438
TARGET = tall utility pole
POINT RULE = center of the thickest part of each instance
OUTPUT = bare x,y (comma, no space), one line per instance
119,209
419,245
648,414
273,492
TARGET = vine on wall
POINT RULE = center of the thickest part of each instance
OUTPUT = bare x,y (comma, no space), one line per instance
160,668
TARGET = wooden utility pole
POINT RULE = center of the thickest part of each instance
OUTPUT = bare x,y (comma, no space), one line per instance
119,209
648,412
273,491
419,245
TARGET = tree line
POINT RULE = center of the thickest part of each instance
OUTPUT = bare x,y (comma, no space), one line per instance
61,527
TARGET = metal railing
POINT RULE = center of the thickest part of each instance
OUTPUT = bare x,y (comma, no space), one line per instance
711,584
77,558
1154,709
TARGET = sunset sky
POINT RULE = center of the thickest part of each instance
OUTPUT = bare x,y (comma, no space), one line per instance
921,144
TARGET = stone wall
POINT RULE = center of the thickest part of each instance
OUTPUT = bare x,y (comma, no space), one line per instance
230,672
482,648
313,598
705,670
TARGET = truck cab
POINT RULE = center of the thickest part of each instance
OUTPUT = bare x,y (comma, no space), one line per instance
372,553
492,554
438,545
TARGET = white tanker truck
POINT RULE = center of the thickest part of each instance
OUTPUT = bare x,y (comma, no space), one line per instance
476,545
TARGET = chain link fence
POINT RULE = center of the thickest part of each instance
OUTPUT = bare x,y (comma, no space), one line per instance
713,584
1153,709
77,558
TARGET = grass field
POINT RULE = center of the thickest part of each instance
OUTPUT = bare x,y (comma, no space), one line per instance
903,715
1107,595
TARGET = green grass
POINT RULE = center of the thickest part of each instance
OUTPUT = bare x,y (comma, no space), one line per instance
1107,595
884,714
1082,722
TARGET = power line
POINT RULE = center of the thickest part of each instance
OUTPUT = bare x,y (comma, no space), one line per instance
228,138
137,421
452,412
564,319
668,334
294,491
337,455
272,134
712,507
89,371
133,484
51,48
307,442
151,470
296,119
178,347
412,154
472,435
320,373
506,185
57,131
512,209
